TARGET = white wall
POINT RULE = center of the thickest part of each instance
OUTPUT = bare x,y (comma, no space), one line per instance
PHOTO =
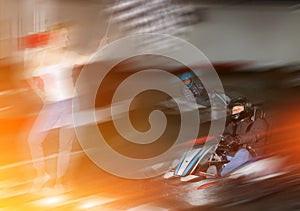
227,34
259,34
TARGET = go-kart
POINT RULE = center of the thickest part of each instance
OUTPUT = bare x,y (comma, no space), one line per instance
209,151
194,164
196,160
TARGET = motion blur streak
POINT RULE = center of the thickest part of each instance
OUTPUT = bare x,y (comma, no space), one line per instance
51,201
287,140
254,47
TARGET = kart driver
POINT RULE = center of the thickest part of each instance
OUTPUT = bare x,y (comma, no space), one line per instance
244,136
194,89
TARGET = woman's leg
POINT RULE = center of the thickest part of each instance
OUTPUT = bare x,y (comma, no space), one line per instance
45,120
65,147
36,138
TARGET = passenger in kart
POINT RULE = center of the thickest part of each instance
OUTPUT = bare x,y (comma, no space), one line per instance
194,89
243,136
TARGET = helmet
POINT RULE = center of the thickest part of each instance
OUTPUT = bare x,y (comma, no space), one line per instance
187,76
244,113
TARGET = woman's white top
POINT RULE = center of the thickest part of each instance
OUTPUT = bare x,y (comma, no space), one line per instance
58,81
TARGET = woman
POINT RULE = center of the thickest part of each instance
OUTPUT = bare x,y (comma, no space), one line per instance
55,68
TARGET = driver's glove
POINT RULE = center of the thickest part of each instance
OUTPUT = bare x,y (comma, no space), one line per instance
231,141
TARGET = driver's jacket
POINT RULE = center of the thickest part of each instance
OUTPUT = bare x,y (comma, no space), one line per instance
249,133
